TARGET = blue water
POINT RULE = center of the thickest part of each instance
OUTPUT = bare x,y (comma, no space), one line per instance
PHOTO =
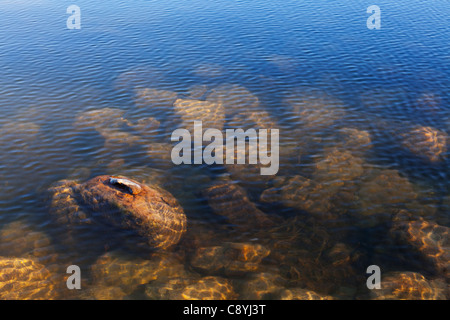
388,81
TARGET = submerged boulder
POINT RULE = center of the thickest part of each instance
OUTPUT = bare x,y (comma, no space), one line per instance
231,201
116,276
36,245
299,192
212,114
315,109
150,211
229,259
354,140
234,98
338,166
26,279
428,238
262,286
427,142
302,294
208,288
408,286
384,193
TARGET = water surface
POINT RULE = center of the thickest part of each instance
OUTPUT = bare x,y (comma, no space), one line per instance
350,103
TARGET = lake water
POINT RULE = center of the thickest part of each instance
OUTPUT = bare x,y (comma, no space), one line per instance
363,117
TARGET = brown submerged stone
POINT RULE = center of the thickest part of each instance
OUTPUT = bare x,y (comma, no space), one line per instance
262,286
152,212
234,98
427,142
25,279
36,244
299,192
207,288
302,294
211,114
116,276
230,259
231,201
385,192
315,109
427,237
408,286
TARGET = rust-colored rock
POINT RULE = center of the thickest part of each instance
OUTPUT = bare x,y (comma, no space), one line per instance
152,212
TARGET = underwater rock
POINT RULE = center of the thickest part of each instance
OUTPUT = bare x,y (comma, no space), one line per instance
315,109
64,205
299,192
231,201
302,294
250,174
426,142
231,259
233,98
111,125
154,98
354,140
116,276
308,257
167,289
428,238
26,279
338,166
208,288
36,245
248,119
408,286
146,127
151,211
160,155
102,120
384,193
211,114
197,91
262,286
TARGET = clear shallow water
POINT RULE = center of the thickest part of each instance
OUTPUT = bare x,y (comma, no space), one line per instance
313,67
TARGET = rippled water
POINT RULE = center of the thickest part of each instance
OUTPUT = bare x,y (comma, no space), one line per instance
364,142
